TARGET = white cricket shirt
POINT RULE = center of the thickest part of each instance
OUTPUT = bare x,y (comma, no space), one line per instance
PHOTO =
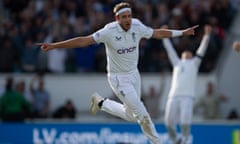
185,72
184,78
122,47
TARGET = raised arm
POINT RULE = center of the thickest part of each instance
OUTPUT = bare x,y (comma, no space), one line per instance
70,43
167,33
204,43
170,51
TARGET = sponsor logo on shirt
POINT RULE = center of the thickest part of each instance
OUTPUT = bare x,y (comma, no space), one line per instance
118,38
126,50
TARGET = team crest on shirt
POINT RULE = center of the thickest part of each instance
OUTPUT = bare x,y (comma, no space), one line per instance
133,36
118,38
122,93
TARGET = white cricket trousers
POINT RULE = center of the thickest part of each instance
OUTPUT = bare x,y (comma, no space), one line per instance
179,109
127,87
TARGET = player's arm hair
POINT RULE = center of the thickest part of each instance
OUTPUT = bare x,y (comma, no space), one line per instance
76,42
166,33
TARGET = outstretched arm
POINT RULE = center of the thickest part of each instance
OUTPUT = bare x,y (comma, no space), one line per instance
167,33
70,43
204,43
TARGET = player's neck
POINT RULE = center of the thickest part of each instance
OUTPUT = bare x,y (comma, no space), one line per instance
124,29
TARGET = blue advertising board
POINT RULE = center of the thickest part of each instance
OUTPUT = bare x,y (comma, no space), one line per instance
113,133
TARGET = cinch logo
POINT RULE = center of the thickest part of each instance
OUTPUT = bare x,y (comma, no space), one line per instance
236,137
126,50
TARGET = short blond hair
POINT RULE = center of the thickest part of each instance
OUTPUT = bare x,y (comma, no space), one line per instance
120,6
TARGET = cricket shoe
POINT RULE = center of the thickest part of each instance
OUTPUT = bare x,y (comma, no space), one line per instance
95,100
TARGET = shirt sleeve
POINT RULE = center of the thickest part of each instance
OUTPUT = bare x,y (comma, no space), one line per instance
202,48
100,35
145,31
171,52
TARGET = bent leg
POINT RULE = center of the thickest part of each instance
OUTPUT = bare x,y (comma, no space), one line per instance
127,89
145,121
139,112
117,109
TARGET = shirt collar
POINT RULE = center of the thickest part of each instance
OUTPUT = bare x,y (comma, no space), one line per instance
119,28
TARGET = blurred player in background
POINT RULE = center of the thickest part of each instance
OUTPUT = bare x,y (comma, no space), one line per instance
180,99
236,46
121,39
